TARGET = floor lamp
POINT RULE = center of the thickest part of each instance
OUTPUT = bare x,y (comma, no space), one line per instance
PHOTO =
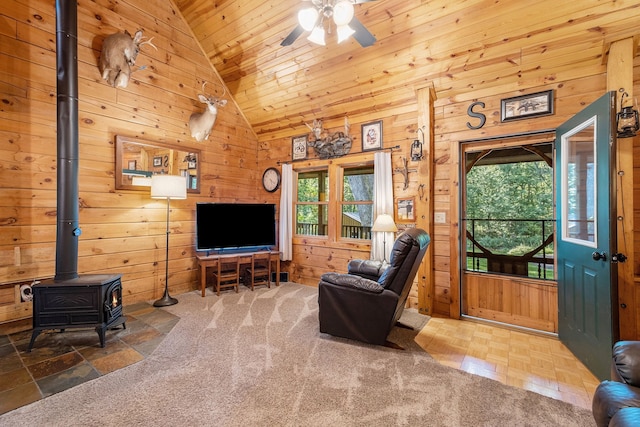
168,187
384,224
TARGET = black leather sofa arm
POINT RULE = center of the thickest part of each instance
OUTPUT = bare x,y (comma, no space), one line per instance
626,362
616,403
352,281
368,268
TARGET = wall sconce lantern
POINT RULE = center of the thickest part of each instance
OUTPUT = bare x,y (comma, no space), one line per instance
627,119
416,148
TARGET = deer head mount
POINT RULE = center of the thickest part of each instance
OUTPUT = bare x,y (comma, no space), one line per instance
201,124
119,53
326,145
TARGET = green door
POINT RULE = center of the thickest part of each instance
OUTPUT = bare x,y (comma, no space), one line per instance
585,220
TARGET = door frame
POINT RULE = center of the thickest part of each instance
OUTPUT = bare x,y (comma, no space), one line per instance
497,142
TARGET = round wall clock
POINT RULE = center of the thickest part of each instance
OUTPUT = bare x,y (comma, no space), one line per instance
271,179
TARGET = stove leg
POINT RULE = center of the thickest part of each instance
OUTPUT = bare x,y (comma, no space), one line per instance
34,335
101,333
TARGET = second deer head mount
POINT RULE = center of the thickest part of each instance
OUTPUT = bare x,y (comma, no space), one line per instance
326,145
119,53
201,124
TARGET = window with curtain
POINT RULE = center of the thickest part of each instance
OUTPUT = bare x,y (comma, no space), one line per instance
336,201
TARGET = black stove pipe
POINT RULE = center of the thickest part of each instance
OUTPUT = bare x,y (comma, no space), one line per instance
68,229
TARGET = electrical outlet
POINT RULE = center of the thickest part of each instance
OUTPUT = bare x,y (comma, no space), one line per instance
439,217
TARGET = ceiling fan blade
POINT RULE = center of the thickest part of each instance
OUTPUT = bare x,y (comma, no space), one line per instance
362,35
293,35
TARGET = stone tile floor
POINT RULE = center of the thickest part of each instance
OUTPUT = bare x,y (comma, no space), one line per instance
61,360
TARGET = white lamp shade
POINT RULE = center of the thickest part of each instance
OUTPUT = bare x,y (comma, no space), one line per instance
343,12
384,222
168,187
317,36
307,18
344,32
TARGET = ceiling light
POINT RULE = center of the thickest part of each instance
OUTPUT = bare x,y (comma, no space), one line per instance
344,32
343,12
317,36
307,18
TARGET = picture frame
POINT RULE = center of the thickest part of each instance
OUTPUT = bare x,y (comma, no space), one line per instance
157,161
299,147
131,165
527,106
406,209
371,134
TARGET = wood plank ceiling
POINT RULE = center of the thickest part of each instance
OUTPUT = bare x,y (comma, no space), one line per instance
456,45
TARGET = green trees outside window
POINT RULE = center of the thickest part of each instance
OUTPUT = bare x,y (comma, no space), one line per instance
509,214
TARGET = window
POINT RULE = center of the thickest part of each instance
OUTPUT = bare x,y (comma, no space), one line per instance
336,202
312,203
357,203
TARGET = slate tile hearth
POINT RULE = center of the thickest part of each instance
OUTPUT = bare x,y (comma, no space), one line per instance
60,361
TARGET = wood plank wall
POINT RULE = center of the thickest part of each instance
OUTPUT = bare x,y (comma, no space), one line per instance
123,231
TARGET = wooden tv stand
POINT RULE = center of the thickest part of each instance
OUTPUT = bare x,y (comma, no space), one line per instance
215,260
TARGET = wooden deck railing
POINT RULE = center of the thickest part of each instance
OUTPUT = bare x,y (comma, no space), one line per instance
350,231
537,262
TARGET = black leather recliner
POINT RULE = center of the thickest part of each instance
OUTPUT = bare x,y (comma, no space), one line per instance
617,402
365,304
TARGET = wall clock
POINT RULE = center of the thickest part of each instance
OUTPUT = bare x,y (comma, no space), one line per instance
271,179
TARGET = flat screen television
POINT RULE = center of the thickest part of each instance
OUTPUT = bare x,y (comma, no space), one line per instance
235,226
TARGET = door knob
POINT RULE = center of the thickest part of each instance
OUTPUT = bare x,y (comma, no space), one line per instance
599,256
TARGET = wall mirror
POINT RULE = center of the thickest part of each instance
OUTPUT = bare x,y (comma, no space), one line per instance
139,158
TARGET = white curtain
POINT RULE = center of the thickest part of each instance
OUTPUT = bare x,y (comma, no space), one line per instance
286,213
382,203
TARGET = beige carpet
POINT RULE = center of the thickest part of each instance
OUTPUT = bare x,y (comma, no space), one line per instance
257,358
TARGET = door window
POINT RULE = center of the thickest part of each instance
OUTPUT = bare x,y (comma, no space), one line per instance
578,184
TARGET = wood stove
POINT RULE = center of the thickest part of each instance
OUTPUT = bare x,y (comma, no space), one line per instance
69,300
86,301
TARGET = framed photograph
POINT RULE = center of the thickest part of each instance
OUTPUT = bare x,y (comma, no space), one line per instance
526,106
405,211
132,165
372,136
299,147
157,161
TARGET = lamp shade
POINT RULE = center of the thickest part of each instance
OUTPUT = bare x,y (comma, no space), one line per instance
343,12
344,32
317,36
384,222
168,187
307,18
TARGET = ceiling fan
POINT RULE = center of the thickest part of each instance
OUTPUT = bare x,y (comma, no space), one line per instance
312,19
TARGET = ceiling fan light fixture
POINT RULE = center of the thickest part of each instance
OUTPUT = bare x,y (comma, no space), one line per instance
308,18
317,36
343,12
344,32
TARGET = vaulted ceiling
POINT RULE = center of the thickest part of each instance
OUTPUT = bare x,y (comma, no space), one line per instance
454,45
